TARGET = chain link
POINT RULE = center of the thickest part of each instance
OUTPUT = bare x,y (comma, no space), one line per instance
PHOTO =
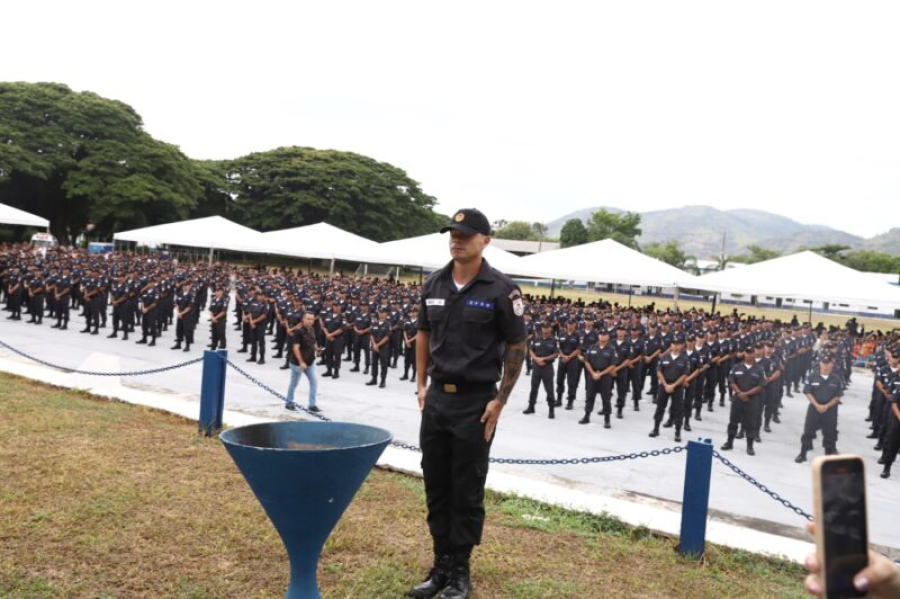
68,370
762,487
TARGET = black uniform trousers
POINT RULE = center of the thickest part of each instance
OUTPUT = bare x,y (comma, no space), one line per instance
15,303
148,325
604,388
258,340
409,359
541,375
37,308
709,385
636,374
361,346
743,413
62,311
622,385
217,331
184,329
567,374
120,314
827,422
334,349
891,441
770,407
381,359
724,369
654,382
455,463
662,401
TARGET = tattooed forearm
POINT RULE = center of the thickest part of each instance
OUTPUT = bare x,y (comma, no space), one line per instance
512,366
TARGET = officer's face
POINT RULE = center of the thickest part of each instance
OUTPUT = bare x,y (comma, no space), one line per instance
464,248
825,368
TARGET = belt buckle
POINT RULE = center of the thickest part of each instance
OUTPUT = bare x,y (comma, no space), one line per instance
450,388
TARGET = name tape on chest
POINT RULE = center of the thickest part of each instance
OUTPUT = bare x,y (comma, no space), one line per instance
477,303
435,301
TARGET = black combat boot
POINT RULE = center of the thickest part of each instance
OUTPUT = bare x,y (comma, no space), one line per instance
886,473
529,409
729,444
750,445
801,457
655,431
551,414
437,579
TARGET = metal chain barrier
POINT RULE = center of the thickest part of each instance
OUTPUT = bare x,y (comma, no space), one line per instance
511,461
762,487
93,373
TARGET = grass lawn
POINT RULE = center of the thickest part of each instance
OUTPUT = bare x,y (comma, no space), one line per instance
104,499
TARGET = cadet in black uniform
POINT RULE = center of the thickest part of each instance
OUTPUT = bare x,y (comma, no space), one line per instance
470,326
746,382
671,373
121,309
773,369
149,303
600,361
184,315
380,343
636,371
544,350
258,312
891,425
569,367
653,349
36,291
334,327
362,328
410,327
62,294
218,319
823,391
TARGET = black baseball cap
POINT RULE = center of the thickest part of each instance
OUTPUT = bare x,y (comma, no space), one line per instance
469,221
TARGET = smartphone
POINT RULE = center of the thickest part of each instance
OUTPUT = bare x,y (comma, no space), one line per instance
842,533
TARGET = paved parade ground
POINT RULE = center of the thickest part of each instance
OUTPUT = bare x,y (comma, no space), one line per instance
656,481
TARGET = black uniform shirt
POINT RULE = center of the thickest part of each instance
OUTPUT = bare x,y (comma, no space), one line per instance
471,326
218,305
567,343
674,367
380,330
544,347
601,358
747,377
824,390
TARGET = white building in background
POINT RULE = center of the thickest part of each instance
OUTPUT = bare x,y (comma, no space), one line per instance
524,248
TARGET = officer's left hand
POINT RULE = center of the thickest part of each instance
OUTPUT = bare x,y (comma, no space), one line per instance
490,417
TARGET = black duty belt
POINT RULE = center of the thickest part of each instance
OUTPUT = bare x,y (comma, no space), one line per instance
455,388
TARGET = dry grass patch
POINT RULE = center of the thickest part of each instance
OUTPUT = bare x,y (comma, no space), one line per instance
103,499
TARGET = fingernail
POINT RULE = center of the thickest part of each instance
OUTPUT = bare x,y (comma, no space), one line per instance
861,583
814,588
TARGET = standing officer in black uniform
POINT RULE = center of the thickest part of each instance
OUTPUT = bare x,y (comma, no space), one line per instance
824,391
218,318
746,381
62,294
410,326
636,372
544,350
334,326
362,328
569,367
653,349
470,326
258,312
380,343
600,361
121,309
36,289
149,303
184,314
671,373
773,385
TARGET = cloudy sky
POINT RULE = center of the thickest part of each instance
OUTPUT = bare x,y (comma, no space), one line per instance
527,110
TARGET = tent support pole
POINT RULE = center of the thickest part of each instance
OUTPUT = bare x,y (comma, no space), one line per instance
810,312
630,290
552,287
676,298
210,260
331,269
713,309
421,274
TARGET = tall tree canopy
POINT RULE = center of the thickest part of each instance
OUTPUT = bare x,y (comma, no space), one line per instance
624,228
573,233
76,157
669,252
756,254
517,229
294,186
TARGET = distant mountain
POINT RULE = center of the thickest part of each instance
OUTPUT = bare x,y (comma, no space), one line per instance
699,230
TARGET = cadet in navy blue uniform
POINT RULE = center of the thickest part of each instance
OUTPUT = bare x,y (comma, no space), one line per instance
636,371
654,348
218,318
891,425
184,317
747,381
362,328
470,330
149,303
823,391
544,350
773,369
258,312
62,294
600,361
569,367
121,309
36,291
693,386
380,343
671,373
409,345
334,327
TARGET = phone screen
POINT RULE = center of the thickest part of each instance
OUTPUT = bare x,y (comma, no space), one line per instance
844,513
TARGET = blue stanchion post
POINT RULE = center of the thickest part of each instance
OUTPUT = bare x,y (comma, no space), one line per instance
212,392
695,506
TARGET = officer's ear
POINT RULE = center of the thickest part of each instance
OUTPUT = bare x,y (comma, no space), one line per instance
487,240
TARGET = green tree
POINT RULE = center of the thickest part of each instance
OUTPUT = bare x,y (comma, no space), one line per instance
755,254
624,228
293,186
74,158
540,229
517,229
869,261
832,251
669,252
573,233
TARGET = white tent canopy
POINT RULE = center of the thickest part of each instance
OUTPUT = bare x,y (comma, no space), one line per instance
14,216
803,276
433,251
322,241
607,261
212,232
